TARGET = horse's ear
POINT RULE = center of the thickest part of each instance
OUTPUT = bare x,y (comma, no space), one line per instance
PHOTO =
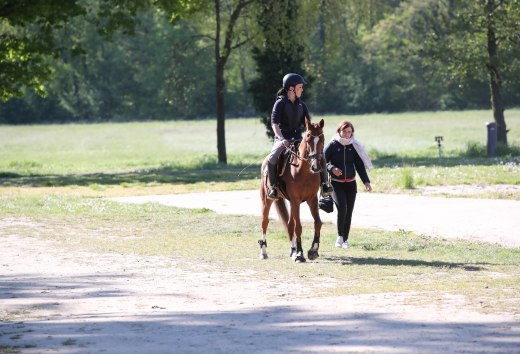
307,123
322,123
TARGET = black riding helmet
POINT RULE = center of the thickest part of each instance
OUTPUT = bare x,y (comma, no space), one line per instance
292,79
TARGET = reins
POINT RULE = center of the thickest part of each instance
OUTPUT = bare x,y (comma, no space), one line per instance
309,158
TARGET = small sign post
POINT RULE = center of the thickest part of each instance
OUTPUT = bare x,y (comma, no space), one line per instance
438,139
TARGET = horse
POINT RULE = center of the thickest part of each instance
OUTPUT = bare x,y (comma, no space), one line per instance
298,183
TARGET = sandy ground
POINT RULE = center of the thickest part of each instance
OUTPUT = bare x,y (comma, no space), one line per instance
57,301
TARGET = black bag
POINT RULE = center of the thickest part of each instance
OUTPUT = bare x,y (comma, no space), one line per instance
326,204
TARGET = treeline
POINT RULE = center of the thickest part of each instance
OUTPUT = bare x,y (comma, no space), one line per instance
358,57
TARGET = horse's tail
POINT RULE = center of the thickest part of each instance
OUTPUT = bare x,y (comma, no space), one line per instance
283,213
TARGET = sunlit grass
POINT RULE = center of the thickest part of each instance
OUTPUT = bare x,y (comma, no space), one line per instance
176,157
145,146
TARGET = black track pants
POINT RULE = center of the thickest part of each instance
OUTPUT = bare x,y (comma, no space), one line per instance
344,197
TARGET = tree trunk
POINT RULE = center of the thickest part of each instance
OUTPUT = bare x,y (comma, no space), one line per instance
219,71
221,115
495,81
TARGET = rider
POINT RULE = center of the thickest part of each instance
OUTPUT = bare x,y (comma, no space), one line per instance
287,120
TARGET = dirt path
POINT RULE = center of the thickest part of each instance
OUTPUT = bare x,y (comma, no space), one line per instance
490,220
57,301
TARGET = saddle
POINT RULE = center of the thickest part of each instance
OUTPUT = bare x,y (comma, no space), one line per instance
285,160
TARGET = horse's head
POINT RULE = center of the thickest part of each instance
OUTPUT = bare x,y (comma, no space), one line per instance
313,142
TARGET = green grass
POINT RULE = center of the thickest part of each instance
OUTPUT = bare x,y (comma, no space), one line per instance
154,153
413,134
122,147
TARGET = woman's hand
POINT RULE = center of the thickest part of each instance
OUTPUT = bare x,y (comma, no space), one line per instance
368,187
336,171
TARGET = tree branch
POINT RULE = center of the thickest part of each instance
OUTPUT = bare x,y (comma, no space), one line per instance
231,26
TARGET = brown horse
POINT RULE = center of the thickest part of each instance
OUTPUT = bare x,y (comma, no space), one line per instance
300,182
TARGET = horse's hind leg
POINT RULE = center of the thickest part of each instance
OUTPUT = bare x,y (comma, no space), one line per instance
313,251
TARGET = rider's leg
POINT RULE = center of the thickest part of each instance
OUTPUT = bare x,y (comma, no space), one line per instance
326,187
272,169
273,181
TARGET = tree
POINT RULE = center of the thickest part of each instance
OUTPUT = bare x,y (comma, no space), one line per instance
27,33
279,51
346,80
394,50
26,39
231,41
477,38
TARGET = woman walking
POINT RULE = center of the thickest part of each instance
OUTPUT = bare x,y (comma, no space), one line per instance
345,156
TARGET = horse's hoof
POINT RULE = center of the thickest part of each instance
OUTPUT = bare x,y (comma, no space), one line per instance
293,252
263,256
312,254
299,259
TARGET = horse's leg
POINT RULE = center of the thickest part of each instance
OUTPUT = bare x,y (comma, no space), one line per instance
290,233
293,246
313,251
297,225
266,206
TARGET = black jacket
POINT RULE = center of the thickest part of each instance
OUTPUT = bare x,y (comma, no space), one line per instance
290,116
346,159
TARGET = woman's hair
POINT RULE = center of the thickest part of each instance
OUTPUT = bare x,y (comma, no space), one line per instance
344,124
281,92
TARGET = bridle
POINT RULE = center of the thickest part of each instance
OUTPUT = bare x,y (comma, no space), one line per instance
310,158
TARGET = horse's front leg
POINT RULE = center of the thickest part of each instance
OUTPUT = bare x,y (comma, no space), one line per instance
295,219
292,237
313,251
266,206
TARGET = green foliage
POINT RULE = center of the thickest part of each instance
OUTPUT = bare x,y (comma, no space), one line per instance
276,53
474,149
26,39
32,35
358,57
407,179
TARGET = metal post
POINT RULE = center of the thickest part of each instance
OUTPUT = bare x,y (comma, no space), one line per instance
491,139
438,139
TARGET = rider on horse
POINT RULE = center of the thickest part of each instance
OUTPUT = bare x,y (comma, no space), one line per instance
287,120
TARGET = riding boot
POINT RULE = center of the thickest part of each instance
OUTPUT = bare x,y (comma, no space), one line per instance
326,187
272,174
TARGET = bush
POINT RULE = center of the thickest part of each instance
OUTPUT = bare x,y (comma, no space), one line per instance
407,180
474,149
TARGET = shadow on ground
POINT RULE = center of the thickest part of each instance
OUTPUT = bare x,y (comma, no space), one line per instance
214,173
400,262
295,327
160,175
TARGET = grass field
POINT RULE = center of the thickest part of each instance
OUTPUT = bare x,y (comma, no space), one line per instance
52,178
178,155
109,148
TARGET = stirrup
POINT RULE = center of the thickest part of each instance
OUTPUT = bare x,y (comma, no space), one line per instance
326,190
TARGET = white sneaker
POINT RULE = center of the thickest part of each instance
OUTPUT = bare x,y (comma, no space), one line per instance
345,244
339,242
